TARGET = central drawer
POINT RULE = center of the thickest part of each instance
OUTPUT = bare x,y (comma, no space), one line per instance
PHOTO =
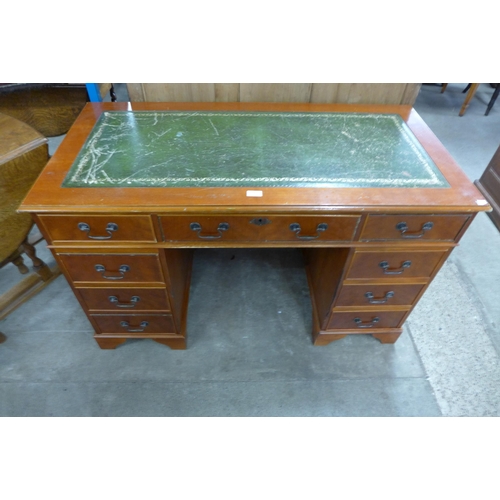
265,228
112,268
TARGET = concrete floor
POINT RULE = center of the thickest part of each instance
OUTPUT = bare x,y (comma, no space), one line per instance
250,353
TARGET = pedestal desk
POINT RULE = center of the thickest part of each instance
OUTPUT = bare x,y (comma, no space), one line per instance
368,192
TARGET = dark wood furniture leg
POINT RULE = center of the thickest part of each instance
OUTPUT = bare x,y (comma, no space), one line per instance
18,261
493,99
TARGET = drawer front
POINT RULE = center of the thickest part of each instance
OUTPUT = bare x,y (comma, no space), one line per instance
113,268
98,228
124,299
270,228
387,264
365,321
413,227
127,324
379,295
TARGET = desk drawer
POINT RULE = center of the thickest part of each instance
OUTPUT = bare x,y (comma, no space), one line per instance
263,228
142,324
413,227
395,264
98,228
379,295
112,268
124,299
365,321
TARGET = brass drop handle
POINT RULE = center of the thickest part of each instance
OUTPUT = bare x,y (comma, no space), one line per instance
386,270
142,326
369,324
110,229
122,270
403,228
371,300
195,226
295,227
133,301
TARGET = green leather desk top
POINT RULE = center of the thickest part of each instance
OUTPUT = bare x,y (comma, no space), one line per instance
252,149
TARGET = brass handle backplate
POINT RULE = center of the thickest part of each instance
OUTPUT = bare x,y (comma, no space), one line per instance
133,301
372,300
403,228
369,324
110,229
122,270
196,226
142,326
387,270
295,227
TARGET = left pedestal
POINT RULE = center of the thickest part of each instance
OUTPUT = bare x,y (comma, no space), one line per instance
129,289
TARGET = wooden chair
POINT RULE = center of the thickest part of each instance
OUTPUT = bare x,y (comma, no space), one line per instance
493,98
471,90
23,154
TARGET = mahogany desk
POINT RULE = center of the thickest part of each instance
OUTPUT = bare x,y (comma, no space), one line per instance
368,192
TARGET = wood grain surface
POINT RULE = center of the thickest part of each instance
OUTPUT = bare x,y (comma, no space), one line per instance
351,93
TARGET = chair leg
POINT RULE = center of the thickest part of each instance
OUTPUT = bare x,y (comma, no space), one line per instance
38,264
468,97
443,87
493,99
19,263
3,338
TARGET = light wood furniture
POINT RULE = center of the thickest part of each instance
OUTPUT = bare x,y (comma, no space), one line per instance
471,90
371,251
23,154
489,185
350,93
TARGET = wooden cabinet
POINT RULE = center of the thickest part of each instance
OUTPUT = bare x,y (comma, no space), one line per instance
489,185
370,250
